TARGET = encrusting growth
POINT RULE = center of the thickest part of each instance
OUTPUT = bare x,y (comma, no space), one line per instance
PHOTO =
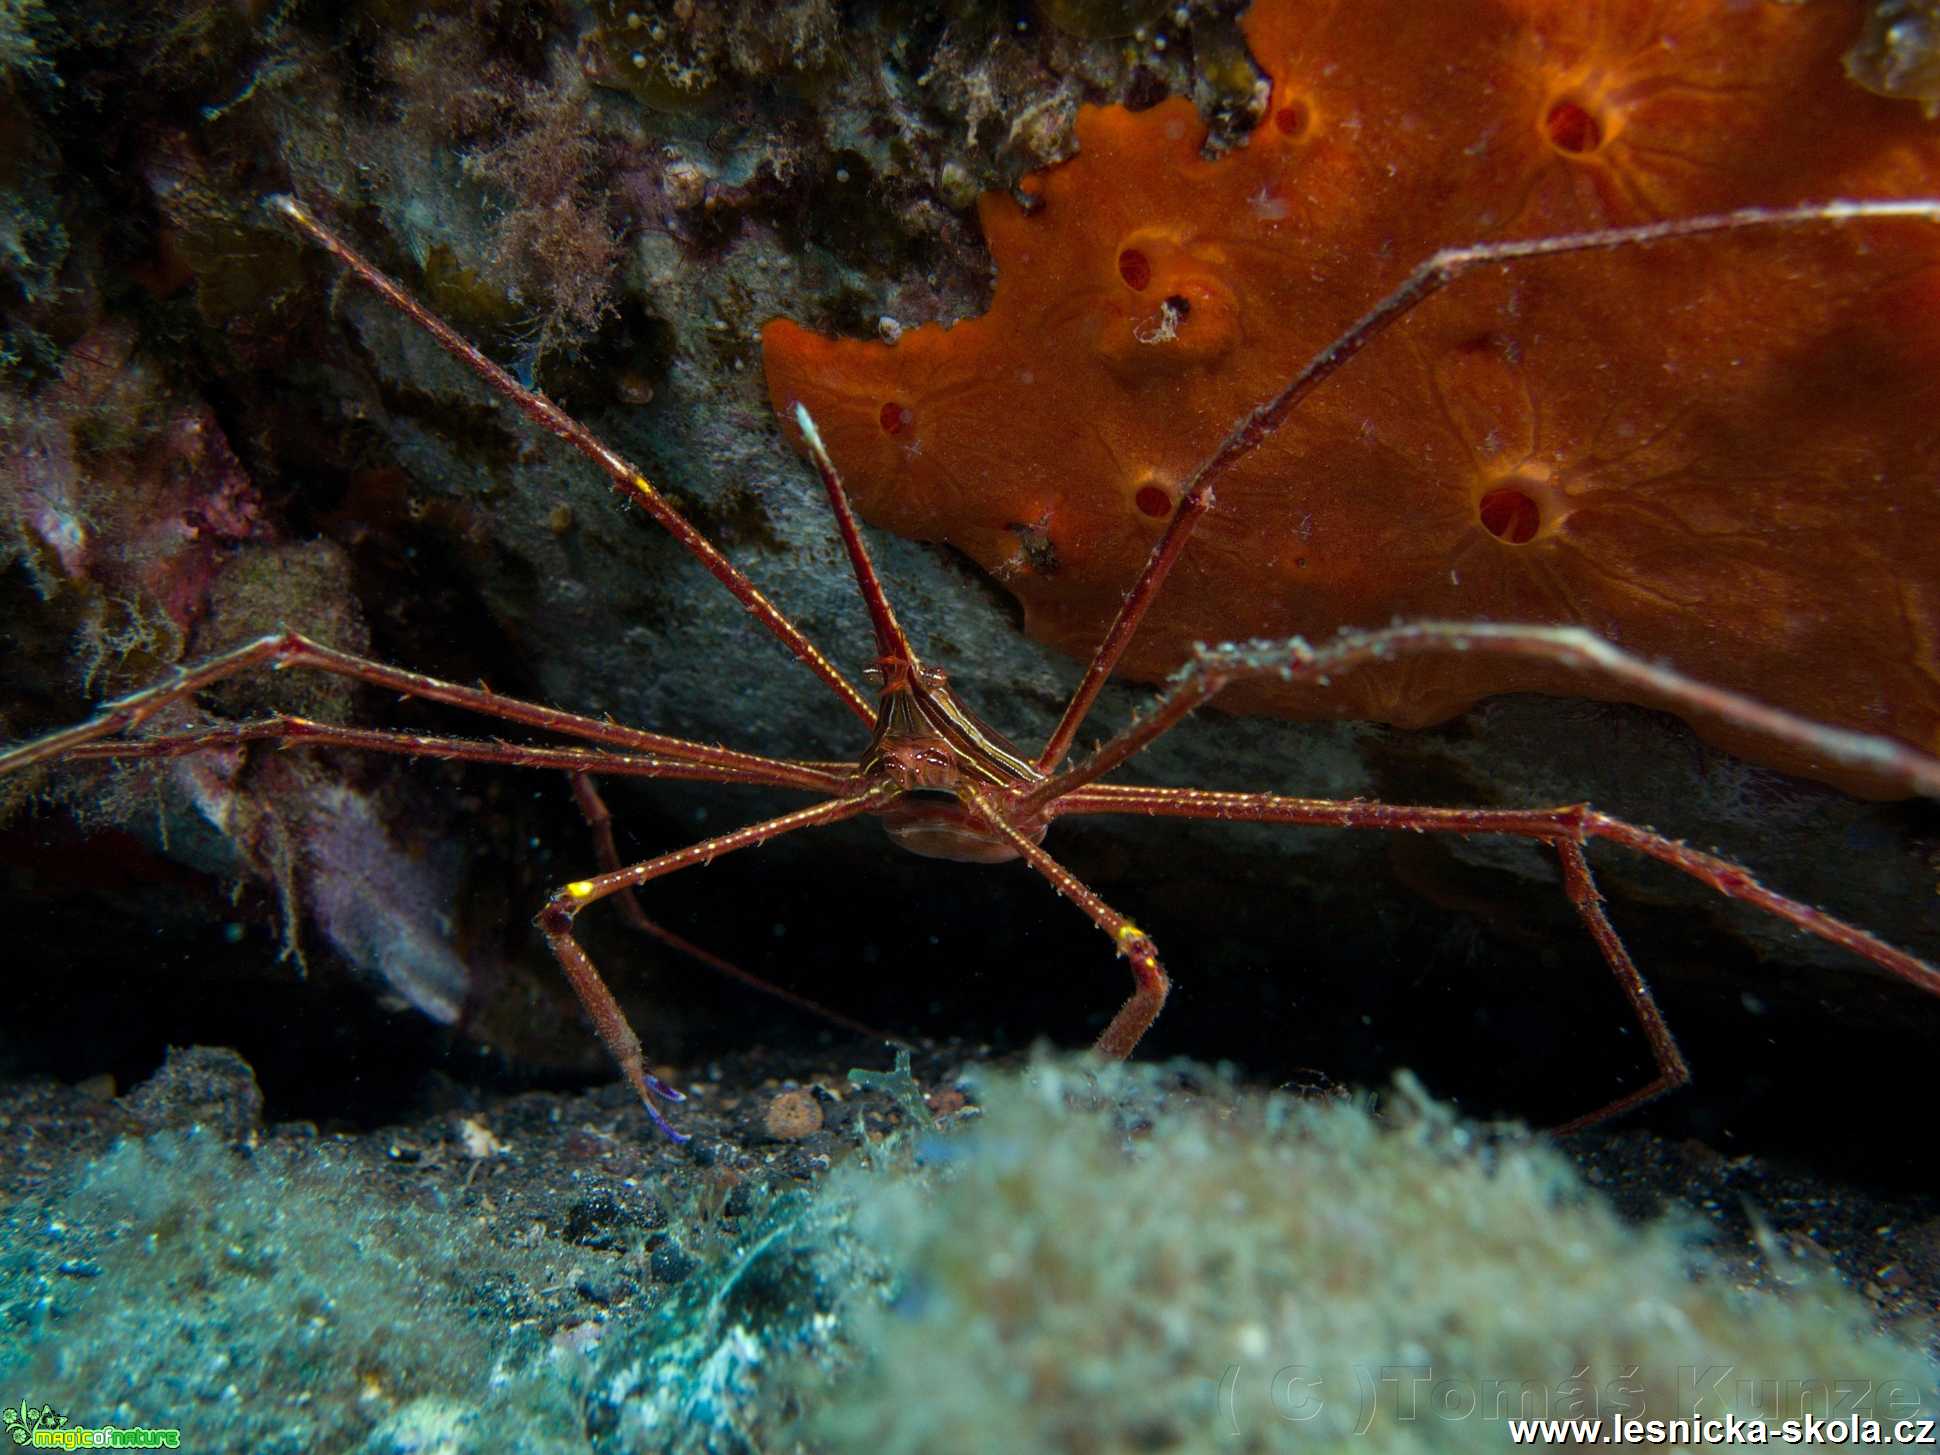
1717,452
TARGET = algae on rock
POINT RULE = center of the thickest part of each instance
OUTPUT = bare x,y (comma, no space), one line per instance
1103,1264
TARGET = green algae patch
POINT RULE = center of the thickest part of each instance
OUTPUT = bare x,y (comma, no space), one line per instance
1111,1262
1090,1258
268,1302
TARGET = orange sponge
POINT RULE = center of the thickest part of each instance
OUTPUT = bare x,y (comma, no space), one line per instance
1724,452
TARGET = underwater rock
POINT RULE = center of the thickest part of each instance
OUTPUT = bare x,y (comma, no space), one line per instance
201,1086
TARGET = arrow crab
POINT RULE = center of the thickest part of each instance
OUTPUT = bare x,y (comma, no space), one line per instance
947,785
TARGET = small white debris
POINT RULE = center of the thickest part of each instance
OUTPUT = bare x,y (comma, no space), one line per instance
479,1141
686,184
578,1339
1268,207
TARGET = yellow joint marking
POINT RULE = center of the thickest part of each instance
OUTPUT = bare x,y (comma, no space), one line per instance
580,889
641,483
1128,932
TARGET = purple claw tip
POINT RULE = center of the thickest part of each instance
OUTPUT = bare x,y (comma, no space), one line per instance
666,1093
667,1129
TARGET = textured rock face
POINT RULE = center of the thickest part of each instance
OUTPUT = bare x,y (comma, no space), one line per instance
1717,452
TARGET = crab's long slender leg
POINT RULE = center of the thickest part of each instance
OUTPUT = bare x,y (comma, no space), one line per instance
301,732
626,479
290,649
1673,1070
600,820
1440,270
1150,984
892,642
556,922
1565,830
1570,824
1212,669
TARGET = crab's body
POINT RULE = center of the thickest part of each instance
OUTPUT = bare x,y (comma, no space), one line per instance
928,743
